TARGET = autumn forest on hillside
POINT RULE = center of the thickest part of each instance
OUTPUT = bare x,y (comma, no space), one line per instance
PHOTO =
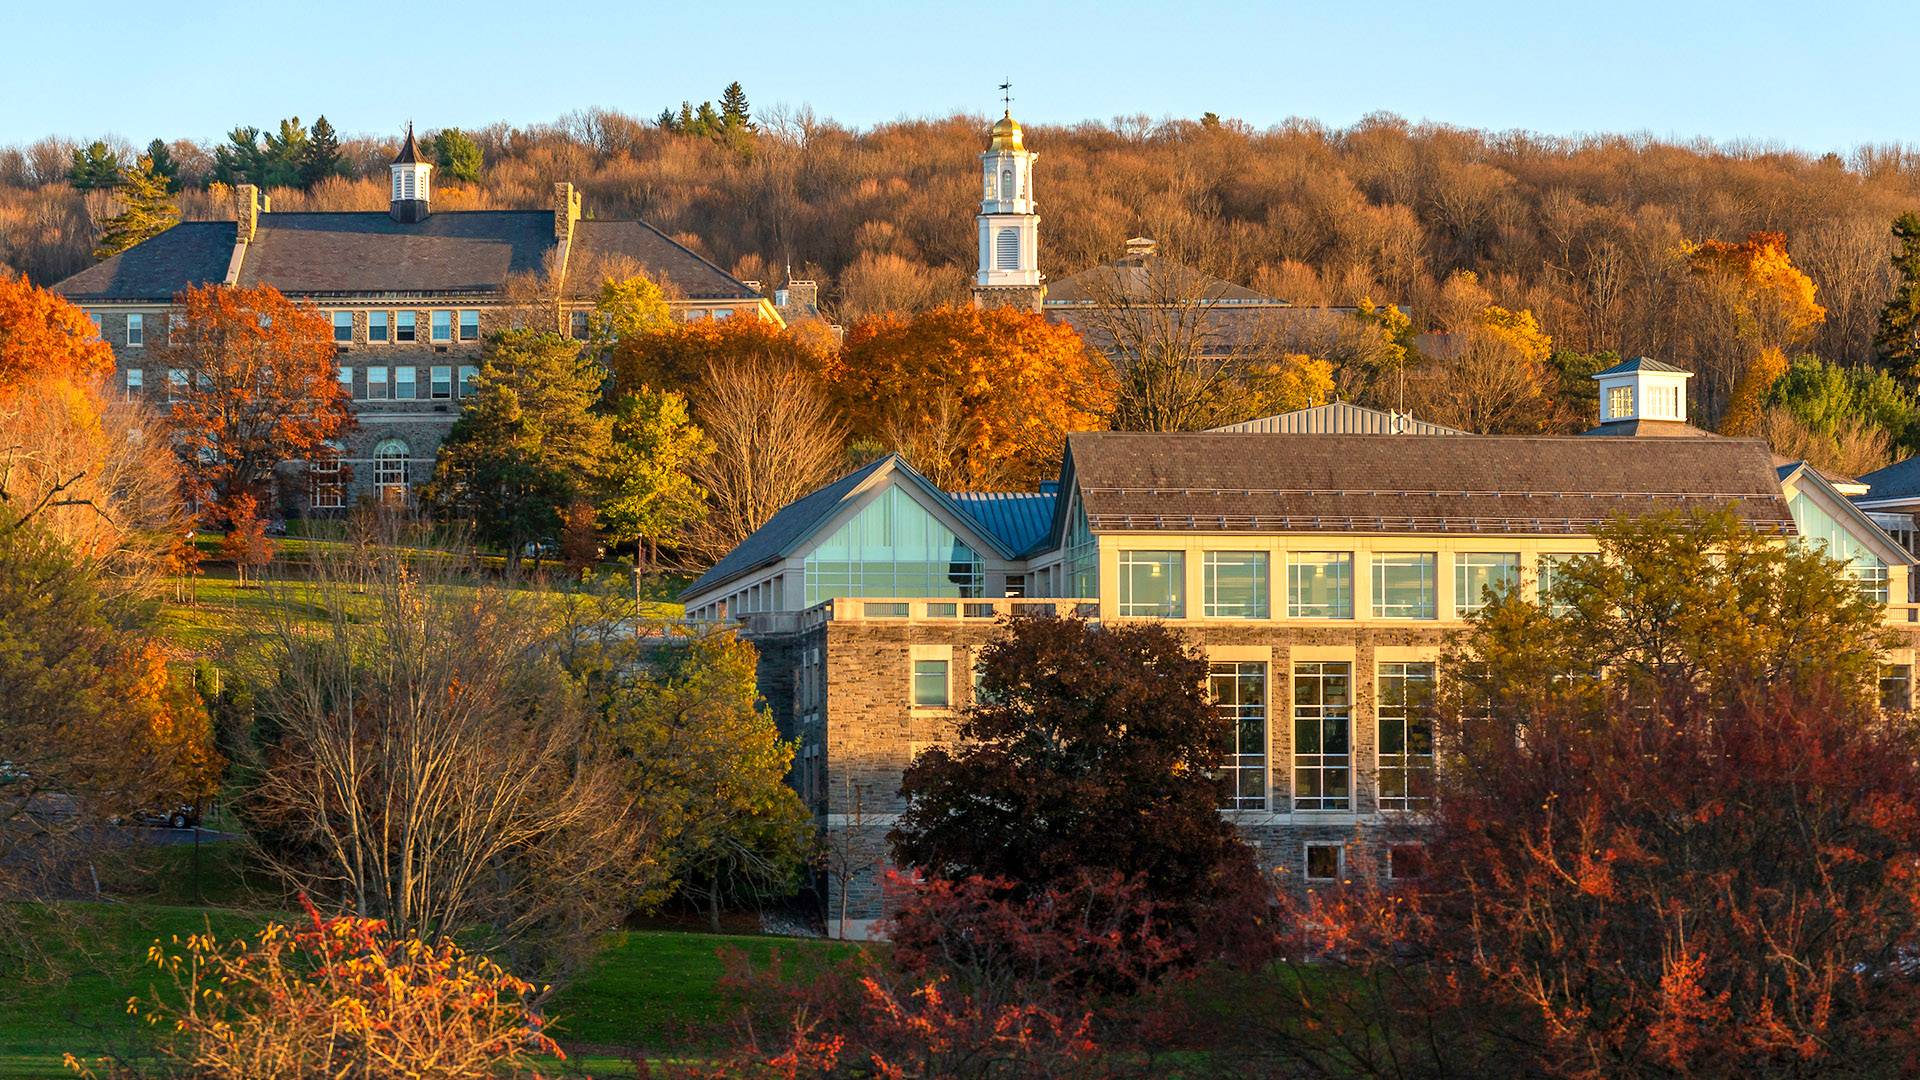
1742,263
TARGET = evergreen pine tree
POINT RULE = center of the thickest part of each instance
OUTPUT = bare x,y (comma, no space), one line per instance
705,120
163,165
146,210
668,120
239,160
457,155
734,111
1898,340
321,157
94,167
285,150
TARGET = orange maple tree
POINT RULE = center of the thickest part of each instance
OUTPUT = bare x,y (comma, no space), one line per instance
44,336
679,357
260,387
974,398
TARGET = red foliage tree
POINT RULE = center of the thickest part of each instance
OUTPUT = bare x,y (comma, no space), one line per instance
261,387
246,541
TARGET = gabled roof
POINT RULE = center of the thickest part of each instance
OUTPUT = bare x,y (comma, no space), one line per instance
1148,279
1341,418
1017,518
368,253
1802,474
1897,483
1238,482
1641,363
798,521
190,253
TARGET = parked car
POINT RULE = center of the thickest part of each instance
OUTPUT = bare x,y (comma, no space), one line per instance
540,549
179,817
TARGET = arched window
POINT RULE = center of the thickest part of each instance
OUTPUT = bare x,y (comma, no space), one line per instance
989,191
390,471
1006,183
1006,249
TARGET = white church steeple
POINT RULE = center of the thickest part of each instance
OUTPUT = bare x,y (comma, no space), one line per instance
1009,272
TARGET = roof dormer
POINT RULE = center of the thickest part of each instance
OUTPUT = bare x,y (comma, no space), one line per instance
412,181
1643,389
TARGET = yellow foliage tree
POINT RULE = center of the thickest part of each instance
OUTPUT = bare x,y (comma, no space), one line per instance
1772,307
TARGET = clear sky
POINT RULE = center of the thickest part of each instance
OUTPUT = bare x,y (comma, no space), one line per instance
1815,76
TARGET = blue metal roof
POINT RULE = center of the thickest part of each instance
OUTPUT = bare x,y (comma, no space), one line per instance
1018,519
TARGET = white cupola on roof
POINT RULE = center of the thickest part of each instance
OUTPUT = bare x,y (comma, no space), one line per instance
1643,389
412,182
1009,220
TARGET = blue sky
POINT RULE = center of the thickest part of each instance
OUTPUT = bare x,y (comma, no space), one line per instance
1805,75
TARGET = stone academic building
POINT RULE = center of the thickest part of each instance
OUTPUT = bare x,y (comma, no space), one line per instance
411,294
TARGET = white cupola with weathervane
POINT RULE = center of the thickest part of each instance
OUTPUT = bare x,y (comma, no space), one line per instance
1009,271
412,183
1643,389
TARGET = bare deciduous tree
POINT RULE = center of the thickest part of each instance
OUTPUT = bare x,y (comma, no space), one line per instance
775,438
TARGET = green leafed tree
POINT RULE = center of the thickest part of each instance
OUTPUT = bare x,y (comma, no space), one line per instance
147,210
711,761
528,442
1897,341
95,166
320,158
457,155
651,495
735,113
626,308
164,165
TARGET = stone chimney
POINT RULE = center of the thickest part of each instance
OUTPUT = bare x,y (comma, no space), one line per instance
566,211
248,205
803,295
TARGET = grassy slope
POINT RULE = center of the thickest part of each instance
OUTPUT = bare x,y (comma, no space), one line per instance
647,990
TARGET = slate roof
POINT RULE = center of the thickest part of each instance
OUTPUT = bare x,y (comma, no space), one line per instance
1018,519
1898,481
692,275
465,251
190,253
1641,363
367,253
1236,482
1340,418
1147,278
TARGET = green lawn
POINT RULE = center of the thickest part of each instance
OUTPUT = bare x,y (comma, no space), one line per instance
647,991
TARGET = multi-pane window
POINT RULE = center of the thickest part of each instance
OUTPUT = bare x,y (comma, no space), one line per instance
403,325
1406,585
376,326
1552,576
468,376
404,388
579,325
722,313
1817,527
1153,584
1322,736
1082,556
136,330
176,383
442,383
893,547
1479,575
95,320
326,492
1240,693
390,471
1236,584
343,327
469,325
442,326
1619,402
346,380
1405,714
1325,862
135,380
1320,585
377,384
1896,687
930,684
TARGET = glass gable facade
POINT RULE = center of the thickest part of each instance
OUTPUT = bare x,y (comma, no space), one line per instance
894,547
1820,528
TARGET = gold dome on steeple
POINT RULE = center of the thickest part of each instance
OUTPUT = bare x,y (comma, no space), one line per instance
1006,134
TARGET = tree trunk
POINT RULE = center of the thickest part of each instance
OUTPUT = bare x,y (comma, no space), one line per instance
713,903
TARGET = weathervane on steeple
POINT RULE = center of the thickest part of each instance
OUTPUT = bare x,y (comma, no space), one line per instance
1006,97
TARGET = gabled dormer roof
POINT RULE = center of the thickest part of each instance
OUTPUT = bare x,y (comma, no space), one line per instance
788,531
1805,478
